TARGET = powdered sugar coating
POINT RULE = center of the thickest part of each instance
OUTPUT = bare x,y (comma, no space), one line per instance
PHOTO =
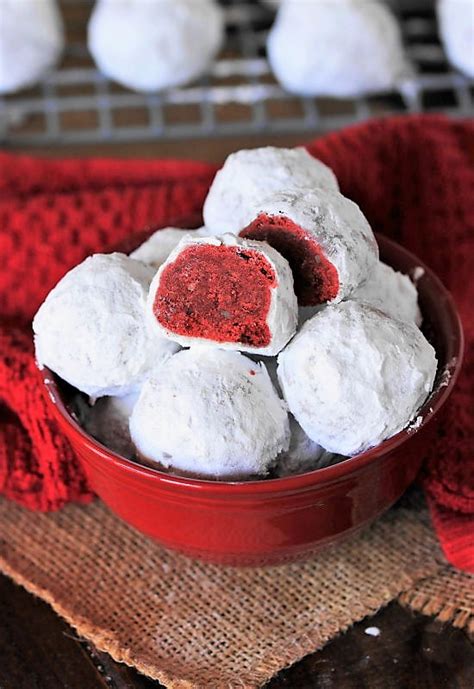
211,413
353,376
391,292
158,247
31,41
148,46
341,48
338,226
303,454
92,328
283,313
247,176
456,29
108,421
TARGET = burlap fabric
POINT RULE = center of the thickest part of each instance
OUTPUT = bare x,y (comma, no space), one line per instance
448,596
195,625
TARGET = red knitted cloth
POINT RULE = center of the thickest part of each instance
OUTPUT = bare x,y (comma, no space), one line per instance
412,176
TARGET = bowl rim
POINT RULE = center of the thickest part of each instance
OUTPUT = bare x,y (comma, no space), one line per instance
309,479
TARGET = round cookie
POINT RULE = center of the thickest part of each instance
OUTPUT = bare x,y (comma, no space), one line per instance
158,247
341,48
92,328
148,46
247,176
31,41
456,29
210,414
353,376
392,292
303,454
108,421
324,236
225,291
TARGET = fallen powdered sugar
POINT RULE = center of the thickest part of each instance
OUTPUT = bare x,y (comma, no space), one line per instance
417,273
446,374
415,424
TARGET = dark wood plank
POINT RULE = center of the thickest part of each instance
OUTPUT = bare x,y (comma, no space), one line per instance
412,652
40,651
210,150
37,649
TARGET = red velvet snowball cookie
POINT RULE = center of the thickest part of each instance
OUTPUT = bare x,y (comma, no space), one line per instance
325,237
225,291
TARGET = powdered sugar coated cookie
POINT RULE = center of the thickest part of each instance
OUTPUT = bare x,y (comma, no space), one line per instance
353,376
248,176
158,247
31,41
148,45
325,238
341,48
210,413
391,292
92,328
225,291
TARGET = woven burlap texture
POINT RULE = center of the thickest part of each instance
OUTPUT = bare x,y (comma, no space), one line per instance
194,625
448,596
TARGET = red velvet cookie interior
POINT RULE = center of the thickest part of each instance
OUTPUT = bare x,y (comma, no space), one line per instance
316,279
220,293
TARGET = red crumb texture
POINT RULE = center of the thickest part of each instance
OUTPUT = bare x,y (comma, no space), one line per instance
316,279
220,293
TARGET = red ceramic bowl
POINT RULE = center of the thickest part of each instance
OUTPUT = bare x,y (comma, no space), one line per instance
276,520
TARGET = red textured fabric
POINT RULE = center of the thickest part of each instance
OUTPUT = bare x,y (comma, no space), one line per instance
413,178
37,466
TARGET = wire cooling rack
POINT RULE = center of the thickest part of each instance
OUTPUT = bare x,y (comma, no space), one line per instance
77,104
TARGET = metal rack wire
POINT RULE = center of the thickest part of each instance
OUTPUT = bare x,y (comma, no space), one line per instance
77,104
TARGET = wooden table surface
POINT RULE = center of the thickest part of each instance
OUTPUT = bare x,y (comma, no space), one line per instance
40,651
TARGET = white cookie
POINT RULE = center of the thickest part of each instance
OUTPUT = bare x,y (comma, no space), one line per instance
148,45
212,414
303,454
456,29
225,291
325,237
341,48
392,292
353,376
158,247
92,328
248,176
31,41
